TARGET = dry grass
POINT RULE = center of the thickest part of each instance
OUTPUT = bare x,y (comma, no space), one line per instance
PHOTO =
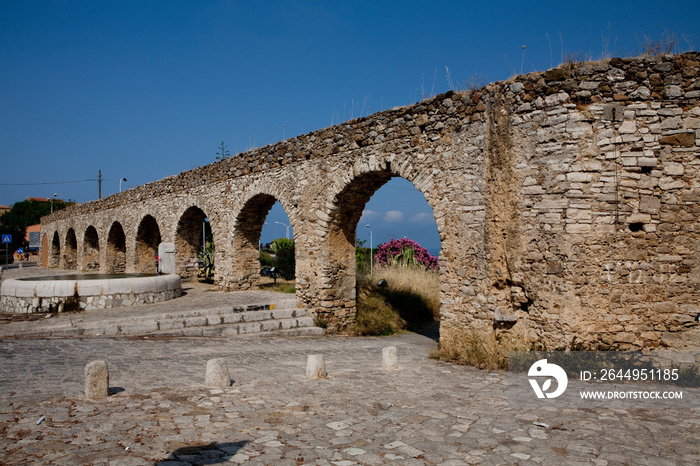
410,300
482,348
282,286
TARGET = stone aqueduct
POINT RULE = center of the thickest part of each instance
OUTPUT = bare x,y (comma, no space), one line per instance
567,204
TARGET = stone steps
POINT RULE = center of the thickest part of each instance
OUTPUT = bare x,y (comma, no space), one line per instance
221,321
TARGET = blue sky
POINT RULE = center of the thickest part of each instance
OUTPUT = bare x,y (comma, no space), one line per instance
144,90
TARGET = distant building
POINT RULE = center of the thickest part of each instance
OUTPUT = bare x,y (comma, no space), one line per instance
33,238
48,199
4,208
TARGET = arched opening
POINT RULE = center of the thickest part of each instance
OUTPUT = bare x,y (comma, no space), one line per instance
397,211
91,250
55,254
70,254
116,249
193,233
147,241
45,250
257,262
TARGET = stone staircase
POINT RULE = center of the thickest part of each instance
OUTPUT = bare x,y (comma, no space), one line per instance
216,321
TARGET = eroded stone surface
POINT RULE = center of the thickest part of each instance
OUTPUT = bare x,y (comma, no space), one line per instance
96,380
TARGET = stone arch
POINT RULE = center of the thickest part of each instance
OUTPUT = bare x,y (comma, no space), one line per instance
70,251
45,250
147,241
337,298
91,250
116,249
55,254
246,237
189,241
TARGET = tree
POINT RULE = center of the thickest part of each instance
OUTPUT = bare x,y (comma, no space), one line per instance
223,152
23,214
286,262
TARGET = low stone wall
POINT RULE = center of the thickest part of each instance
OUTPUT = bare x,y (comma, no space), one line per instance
31,296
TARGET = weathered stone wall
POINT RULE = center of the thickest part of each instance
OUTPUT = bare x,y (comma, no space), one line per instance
566,202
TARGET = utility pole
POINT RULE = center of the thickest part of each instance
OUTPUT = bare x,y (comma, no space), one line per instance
99,184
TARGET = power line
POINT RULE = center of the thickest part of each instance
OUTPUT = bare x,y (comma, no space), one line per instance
44,183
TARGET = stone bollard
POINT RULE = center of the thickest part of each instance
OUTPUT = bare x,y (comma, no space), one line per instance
390,360
96,380
315,367
217,374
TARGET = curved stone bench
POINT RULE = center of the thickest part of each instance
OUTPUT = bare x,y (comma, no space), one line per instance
85,292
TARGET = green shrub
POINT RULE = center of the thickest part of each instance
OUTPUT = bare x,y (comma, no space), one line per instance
266,259
286,261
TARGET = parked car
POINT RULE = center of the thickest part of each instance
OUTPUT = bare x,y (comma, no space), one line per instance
270,272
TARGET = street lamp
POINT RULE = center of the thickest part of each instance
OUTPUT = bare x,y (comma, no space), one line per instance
371,260
52,199
120,184
285,225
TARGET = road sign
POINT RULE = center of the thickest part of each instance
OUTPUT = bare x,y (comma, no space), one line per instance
6,238
20,251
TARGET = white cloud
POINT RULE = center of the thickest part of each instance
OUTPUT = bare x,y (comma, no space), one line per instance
368,215
393,216
422,217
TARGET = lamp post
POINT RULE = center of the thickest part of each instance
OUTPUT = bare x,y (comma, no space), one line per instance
52,199
371,259
120,184
287,226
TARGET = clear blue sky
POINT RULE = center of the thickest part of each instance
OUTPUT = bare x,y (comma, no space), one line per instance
144,90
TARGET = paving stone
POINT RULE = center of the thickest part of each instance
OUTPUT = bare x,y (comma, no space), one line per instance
428,412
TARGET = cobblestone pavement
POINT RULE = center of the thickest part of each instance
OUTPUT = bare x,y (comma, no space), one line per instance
426,412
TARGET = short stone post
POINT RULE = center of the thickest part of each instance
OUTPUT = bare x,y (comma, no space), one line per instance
166,258
217,374
96,380
315,367
390,360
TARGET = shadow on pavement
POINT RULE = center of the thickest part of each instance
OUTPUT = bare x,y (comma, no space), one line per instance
430,330
213,453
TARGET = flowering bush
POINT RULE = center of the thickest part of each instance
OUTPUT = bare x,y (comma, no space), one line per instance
405,252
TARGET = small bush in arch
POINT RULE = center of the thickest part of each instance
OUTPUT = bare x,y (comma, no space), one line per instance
405,253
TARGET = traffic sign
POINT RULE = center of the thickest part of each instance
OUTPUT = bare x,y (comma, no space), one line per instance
20,251
6,238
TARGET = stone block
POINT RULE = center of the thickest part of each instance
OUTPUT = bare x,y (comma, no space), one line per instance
316,367
166,258
680,139
217,374
232,318
142,284
649,204
96,380
89,288
390,360
666,307
500,316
